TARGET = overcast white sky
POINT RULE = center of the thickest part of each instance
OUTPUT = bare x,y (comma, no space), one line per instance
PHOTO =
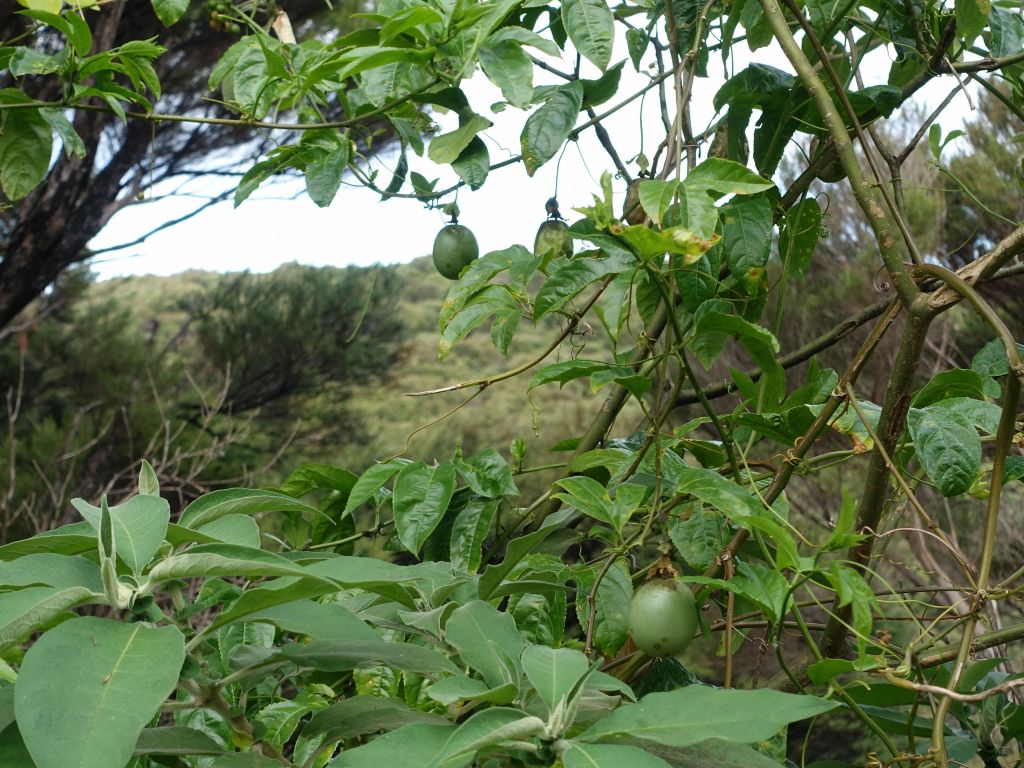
271,228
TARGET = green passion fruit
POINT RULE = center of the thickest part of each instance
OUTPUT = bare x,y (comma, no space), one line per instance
455,249
553,240
662,617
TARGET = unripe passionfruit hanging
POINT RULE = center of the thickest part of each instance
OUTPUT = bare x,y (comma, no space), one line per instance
455,248
662,617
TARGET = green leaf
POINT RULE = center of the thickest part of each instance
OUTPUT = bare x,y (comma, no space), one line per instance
73,144
525,36
28,61
420,500
89,714
316,620
175,740
726,177
553,672
149,483
588,496
591,27
611,604
240,501
323,177
958,382
25,611
597,92
508,67
363,715
1013,469
12,749
760,344
496,300
473,164
747,237
656,196
452,690
447,147
971,17
371,481
487,474
711,752
570,370
51,570
581,755
572,277
408,20
550,125
699,538
139,526
208,560
991,360
430,746
695,713
487,641
798,235
345,655
170,11
947,445
234,529
469,529
494,575
26,143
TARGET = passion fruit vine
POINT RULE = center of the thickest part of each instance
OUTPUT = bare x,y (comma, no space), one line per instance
455,248
662,617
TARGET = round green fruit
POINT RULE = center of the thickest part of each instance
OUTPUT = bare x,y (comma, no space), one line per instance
455,249
662,617
553,240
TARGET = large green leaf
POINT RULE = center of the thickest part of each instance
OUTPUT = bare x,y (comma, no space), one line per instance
548,128
711,752
554,672
573,276
487,641
27,610
447,147
175,740
431,746
13,752
207,560
747,237
798,235
89,714
947,445
695,713
337,655
328,621
971,17
487,474
508,67
581,755
170,11
139,525
611,605
591,27
239,501
51,570
26,142
420,500
362,715
469,529
494,575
